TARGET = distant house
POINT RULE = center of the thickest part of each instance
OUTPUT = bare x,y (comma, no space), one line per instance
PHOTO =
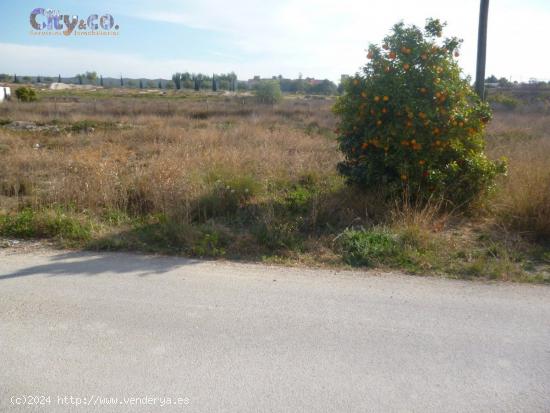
5,93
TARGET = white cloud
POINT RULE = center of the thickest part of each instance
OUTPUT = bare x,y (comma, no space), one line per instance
51,61
326,38
321,38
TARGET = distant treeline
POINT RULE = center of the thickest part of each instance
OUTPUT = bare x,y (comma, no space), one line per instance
183,80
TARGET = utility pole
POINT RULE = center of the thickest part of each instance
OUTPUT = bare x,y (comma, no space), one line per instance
482,48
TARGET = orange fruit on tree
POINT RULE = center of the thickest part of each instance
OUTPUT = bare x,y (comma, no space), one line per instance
392,55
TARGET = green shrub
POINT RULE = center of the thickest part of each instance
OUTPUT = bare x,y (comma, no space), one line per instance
25,94
83,125
211,243
508,102
269,91
368,248
279,236
44,224
410,123
226,197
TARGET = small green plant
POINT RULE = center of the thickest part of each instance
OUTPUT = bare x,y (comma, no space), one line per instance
52,223
25,94
278,235
210,244
226,197
368,248
83,125
507,102
269,91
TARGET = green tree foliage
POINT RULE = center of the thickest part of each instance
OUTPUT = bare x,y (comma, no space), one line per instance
268,91
411,124
90,76
25,94
214,83
177,78
325,87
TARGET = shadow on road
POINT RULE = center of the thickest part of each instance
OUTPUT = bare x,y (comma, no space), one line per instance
87,264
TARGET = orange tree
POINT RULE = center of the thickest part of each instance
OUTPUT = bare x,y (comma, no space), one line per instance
410,122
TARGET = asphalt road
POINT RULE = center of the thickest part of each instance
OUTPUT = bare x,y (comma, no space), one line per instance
142,332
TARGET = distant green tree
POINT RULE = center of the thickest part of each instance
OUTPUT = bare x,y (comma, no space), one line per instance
160,84
503,82
121,81
176,78
301,84
491,79
269,91
140,84
15,80
101,80
198,79
59,79
214,84
38,80
27,79
325,87
90,76
234,83
5,77
25,94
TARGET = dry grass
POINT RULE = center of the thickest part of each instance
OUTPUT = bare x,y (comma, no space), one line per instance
155,156
224,176
523,200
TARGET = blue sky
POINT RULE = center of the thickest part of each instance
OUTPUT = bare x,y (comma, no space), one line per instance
318,38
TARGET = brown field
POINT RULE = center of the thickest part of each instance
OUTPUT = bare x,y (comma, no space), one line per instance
222,176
